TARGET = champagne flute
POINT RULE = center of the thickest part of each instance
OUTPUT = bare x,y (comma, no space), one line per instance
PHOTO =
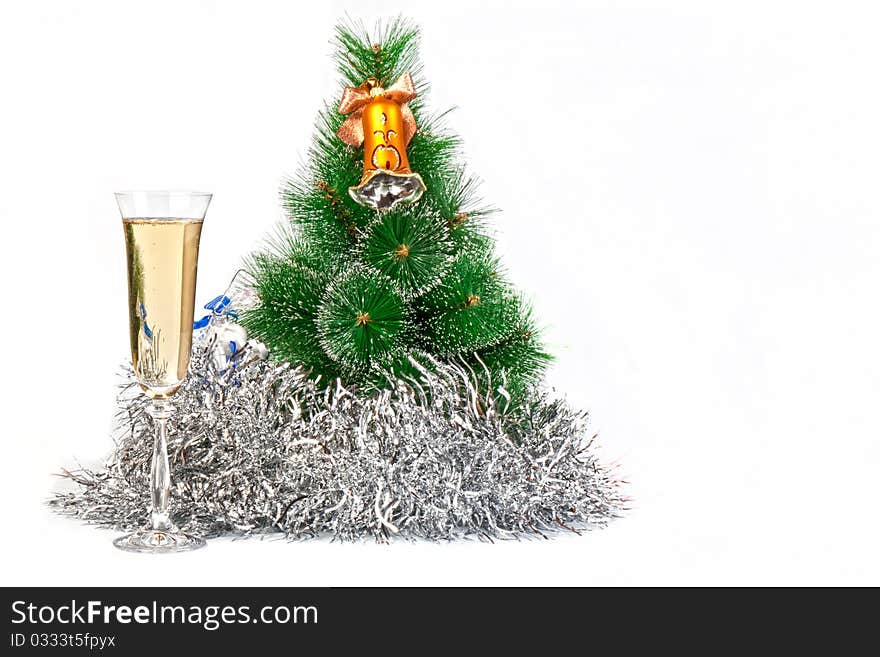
162,231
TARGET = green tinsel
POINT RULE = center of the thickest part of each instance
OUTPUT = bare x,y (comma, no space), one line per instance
357,294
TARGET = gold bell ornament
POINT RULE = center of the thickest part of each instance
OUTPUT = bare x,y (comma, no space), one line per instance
380,119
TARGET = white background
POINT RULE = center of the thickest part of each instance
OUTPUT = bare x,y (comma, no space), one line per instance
690,196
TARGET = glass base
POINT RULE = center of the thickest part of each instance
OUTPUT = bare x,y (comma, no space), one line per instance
159,541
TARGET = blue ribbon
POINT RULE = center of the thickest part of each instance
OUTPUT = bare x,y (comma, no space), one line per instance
219,305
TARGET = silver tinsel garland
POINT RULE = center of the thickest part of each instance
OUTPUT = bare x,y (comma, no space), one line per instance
259,447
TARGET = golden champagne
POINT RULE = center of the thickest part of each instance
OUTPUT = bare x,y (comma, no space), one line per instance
162,260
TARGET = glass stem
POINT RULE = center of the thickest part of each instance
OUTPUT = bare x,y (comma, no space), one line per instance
160,473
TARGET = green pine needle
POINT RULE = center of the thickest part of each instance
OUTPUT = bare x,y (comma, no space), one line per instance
517,362
387,56
411,247
357,294
362,319
290,292
472,308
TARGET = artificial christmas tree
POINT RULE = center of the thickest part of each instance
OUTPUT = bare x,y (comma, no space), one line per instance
385,258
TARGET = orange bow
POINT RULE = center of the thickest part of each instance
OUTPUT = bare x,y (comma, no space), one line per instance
354,99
